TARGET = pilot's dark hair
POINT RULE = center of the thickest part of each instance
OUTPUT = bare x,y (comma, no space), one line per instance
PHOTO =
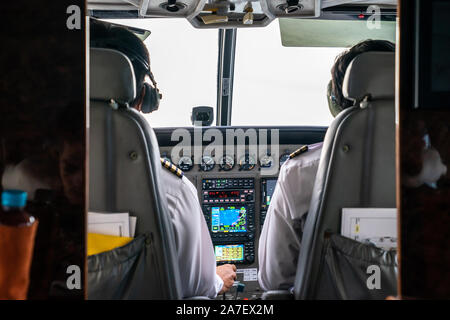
343,60
110,36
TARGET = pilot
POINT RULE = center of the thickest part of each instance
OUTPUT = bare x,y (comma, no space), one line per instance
198,272
281,236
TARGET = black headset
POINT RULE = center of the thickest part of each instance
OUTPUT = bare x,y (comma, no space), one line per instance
151,94
333,105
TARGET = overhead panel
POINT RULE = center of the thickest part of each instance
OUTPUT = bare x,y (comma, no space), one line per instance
145,8
208,13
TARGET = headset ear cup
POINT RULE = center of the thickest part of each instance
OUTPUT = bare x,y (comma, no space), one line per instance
335,109
150,102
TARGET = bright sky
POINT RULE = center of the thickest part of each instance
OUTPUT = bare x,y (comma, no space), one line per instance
274,85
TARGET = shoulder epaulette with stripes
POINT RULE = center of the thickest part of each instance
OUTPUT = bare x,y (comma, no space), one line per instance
298,152
172,168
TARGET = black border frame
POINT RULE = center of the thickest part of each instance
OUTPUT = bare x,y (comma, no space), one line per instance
424,97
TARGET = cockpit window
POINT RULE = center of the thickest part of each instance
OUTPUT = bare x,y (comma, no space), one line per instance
276,85
273,85
184,62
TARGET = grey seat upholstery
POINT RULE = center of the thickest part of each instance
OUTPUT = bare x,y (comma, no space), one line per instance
357,165
124,176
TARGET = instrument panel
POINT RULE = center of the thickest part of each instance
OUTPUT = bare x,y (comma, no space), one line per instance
234,196
235,187
246,162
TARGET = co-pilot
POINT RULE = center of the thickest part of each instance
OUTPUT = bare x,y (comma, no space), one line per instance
198,271
281,236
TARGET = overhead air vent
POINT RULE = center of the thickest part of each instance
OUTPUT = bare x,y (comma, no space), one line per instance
291,6
173,6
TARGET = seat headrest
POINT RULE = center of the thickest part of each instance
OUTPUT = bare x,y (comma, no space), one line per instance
111,76
370,73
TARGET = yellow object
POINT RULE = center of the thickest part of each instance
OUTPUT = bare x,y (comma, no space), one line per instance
248,18
213,18
98,243
172,168
298,152
210,8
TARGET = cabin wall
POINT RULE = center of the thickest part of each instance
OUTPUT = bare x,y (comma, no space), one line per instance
43,132
423,210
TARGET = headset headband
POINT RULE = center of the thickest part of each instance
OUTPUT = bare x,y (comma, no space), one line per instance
132,54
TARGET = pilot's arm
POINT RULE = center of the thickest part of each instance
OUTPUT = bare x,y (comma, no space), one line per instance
196,259
280,239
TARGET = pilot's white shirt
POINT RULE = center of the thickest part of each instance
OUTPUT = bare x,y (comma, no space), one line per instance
196,259
279,243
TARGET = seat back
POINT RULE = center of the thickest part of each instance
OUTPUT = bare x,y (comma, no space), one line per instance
124,176
357,165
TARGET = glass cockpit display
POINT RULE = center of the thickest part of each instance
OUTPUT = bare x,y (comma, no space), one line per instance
267,188
270,188
228,205
223,194
229,252
229,219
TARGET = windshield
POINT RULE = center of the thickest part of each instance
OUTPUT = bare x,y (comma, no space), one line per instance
184,62
273,84
276,85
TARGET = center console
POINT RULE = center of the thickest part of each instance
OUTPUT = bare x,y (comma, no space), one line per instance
229,209
235,193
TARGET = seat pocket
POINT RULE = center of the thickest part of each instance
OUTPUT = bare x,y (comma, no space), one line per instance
111,273
352,270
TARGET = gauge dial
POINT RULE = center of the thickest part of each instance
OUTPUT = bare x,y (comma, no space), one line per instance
185,163
207,163
266,161
247,163
283,158
226,163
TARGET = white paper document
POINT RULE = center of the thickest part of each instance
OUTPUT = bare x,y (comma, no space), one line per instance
132,226
371,225
113,224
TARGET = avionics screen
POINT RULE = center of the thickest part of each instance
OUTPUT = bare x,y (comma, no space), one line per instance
267,191
229,252
223,194
229,219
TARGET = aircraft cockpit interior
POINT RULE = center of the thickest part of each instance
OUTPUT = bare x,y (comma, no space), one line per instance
244,89
229,150
235,192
